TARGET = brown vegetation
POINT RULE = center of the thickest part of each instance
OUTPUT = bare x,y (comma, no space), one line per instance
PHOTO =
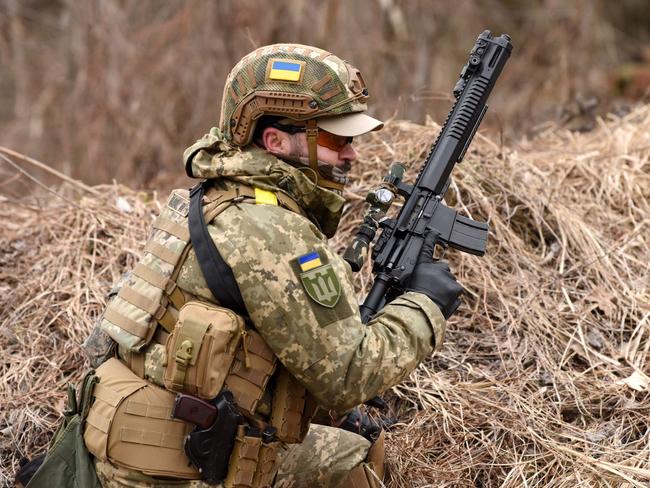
109,90
543,377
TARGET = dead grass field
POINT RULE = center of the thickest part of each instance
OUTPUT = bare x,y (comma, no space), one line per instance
543,377
105,90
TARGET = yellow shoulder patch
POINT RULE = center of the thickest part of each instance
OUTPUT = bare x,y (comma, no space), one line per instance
265,197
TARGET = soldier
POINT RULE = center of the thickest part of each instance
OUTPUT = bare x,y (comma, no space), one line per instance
273,172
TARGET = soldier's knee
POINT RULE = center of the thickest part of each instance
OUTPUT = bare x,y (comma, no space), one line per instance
362,476
370,473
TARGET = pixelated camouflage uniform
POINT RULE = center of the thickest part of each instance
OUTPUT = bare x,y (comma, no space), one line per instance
341,361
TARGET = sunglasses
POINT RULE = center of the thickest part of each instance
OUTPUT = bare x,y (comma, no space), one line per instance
325,139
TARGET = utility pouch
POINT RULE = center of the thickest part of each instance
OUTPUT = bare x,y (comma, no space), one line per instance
201,349
130,425
209,449
253,463
68,463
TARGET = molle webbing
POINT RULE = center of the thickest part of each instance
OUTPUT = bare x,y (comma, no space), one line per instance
292,408
130,424
136,361
172,228
143,302
150,296
168,255
153,277
136,298
132,327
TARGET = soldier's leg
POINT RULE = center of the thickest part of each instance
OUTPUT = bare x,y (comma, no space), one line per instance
328,457
370,473
324,459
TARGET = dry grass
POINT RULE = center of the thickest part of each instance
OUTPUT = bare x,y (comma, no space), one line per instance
543,377
115,89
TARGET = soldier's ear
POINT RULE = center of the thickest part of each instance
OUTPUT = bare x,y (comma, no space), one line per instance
276,141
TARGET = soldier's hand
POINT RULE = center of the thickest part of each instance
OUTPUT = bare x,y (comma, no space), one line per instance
361,423
434,279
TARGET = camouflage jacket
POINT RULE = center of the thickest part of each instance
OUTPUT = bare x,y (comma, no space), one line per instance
319,339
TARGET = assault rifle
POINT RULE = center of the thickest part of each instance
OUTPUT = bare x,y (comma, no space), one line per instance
398,247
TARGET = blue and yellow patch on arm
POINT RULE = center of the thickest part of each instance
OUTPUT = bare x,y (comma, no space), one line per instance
285,70
322,287
309,261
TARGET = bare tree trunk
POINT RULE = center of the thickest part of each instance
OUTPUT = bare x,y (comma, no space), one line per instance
19,62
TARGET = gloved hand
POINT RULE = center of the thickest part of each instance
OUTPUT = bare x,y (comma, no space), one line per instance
361,423
434,278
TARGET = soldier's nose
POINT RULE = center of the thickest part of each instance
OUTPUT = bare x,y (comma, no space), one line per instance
348,152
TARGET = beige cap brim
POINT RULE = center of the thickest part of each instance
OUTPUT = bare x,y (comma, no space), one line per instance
350,125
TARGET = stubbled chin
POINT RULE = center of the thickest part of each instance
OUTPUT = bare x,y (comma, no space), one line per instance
326,171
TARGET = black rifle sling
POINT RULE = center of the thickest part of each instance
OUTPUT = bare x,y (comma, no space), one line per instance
216,271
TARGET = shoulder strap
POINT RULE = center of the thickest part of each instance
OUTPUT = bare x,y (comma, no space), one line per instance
216,271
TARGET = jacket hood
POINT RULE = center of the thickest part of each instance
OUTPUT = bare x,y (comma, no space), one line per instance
212,157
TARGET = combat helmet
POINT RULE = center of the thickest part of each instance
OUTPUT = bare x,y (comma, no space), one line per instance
305,84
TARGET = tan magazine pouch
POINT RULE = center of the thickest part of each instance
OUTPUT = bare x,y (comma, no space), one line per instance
201,349
130,425
252,464
292,408
250,372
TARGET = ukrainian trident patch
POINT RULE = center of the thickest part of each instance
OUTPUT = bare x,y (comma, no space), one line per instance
319,280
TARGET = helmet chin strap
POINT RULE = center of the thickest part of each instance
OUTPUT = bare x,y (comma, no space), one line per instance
312,148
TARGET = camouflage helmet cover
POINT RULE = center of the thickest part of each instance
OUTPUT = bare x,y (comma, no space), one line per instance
289,80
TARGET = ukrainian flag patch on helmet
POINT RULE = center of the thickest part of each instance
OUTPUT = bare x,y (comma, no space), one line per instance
285,69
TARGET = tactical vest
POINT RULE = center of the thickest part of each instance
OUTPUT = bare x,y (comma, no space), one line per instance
170,341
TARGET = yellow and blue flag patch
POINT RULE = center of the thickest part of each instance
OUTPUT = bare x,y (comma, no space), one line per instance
285,70
309,261
322,286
